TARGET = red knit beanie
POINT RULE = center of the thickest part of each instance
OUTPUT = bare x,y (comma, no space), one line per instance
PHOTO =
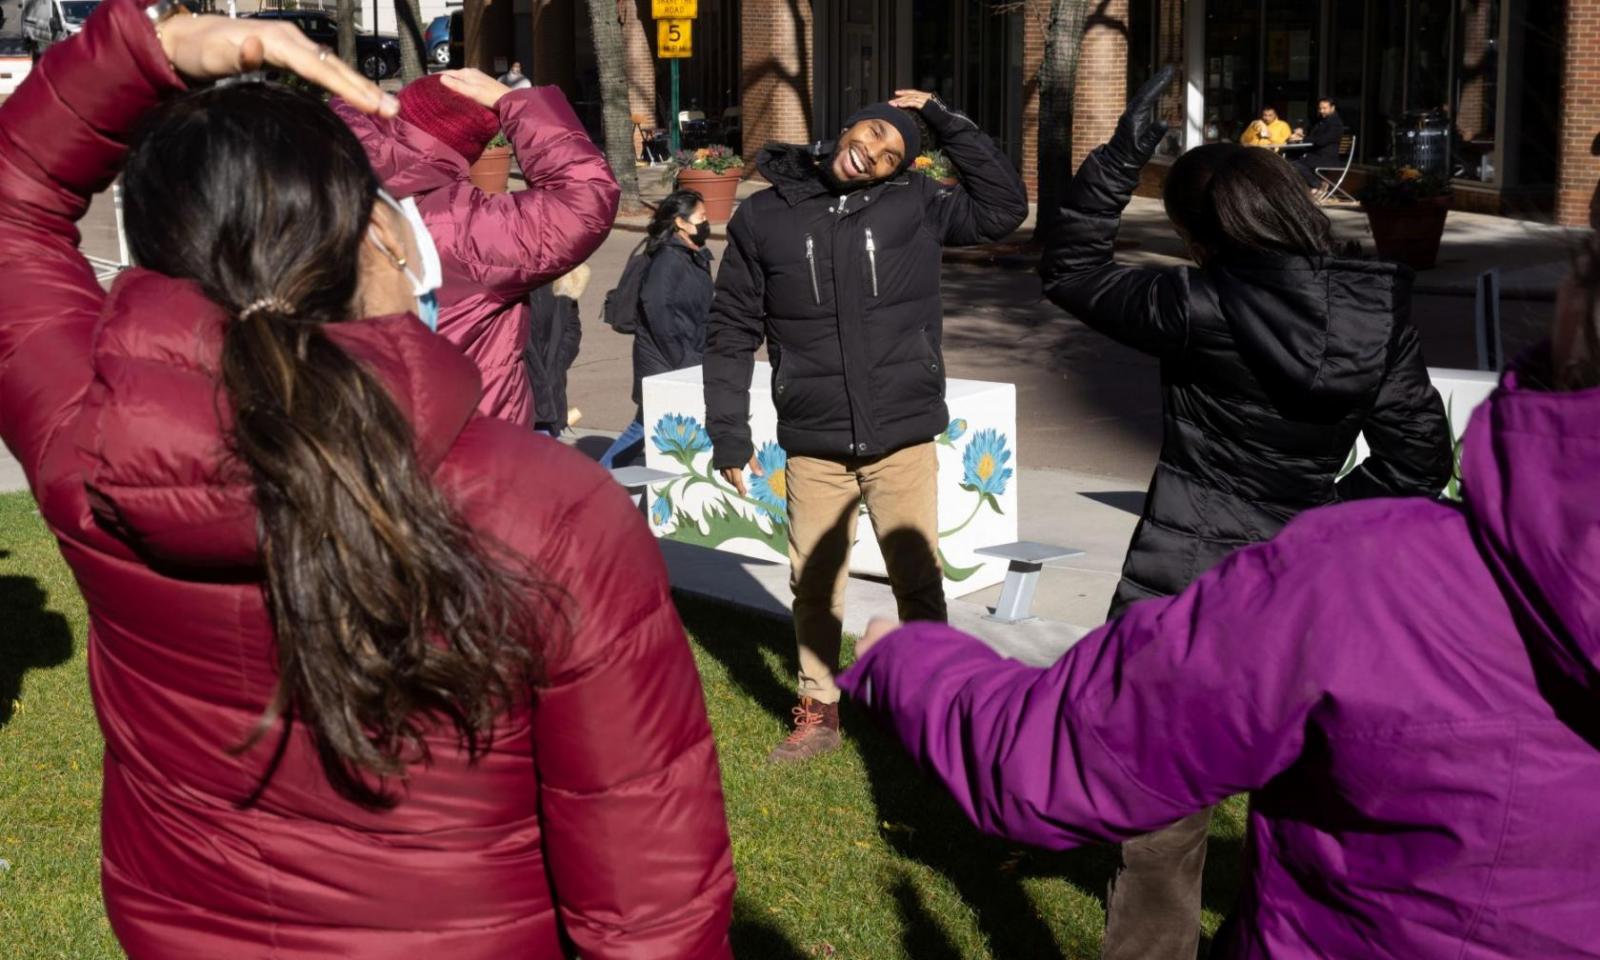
464,125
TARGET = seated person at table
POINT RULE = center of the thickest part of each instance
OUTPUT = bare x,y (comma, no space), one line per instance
1324,139
1266,132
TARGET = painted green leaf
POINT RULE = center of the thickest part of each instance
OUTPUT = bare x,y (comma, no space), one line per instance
955,573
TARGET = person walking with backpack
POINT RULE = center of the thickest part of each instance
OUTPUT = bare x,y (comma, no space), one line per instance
837,269
665,295
1275,356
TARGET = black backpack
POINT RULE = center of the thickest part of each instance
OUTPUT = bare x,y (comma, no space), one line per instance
621,311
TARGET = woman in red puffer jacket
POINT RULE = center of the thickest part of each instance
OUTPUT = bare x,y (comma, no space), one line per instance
496,248
361,696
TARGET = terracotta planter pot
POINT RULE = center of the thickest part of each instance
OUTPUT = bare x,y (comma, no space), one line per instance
492,171
1409,234
718,189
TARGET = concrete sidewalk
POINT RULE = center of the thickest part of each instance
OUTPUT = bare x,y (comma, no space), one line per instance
1093,514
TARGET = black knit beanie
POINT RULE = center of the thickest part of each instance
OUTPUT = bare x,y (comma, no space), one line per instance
901,120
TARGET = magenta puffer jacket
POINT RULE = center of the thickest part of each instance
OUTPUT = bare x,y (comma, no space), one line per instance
497,248
1409,689
595,823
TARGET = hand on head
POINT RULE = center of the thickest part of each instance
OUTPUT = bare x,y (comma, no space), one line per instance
475,85
208,48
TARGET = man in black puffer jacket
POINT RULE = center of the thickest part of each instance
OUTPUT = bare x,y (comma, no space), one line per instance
837,269
1274,356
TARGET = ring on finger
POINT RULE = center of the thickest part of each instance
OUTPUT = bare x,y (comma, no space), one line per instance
322,52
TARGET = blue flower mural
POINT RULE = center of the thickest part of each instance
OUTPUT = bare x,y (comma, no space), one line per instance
984,464
680,438
956,430
661,513
771,489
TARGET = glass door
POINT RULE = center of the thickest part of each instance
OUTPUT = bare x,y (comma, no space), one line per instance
1233,65
1289,70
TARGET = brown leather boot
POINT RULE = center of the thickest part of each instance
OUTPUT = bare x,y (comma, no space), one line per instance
816,732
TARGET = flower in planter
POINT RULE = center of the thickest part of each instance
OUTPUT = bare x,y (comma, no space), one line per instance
499,140
934,164
1401,186
716,159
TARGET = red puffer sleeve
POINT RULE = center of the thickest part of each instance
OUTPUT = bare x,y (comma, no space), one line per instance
631,795
515,242
63,136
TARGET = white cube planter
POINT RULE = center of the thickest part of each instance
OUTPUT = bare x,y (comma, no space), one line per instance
978,474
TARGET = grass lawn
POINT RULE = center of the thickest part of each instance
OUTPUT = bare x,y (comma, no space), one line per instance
855,855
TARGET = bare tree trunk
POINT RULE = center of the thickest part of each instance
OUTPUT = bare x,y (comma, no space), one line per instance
1057,81
346,18
611,57
408,18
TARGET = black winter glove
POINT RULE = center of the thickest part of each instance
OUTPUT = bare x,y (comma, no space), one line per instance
1140,130
1109,175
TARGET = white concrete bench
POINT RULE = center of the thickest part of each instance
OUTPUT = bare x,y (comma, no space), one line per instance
1022,577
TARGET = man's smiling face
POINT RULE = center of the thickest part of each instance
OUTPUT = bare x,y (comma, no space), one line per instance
871,150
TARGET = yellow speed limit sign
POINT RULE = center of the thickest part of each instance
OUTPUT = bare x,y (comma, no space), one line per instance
674,38
674,9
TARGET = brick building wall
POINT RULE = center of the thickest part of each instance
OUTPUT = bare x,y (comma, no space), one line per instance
777,60
639,38
1579,170
1101,86
1475,112
554,50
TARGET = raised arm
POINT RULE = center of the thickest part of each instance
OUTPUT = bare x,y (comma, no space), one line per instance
1177,705
990,202
63,137
1146,309
514,242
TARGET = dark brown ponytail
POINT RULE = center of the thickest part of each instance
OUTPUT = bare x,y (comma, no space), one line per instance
391,616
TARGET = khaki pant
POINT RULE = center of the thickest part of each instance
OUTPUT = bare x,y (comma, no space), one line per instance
1153,905
901,491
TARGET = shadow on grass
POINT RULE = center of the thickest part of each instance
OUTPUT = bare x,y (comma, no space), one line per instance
35,638
737,639
754,937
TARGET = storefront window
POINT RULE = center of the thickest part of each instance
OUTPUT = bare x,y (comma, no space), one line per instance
1233,42
1477,75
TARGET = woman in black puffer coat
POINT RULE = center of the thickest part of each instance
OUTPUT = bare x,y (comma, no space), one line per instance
674,304
1275,355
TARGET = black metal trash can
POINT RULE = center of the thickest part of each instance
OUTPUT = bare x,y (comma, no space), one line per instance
1422,140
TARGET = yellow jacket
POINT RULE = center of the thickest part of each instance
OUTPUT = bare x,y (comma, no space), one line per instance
1277,132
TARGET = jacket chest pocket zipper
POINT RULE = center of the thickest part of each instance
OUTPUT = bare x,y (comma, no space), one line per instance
872,260
811,261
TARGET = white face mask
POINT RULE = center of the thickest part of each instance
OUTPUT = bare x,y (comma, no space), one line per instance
423,287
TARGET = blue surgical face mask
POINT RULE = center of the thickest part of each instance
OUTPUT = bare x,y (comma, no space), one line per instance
423,286
428,310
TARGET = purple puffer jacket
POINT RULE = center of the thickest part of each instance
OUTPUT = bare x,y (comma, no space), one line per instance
496,248
1408,689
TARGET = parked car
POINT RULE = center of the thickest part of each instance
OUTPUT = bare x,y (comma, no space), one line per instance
74,12
378,55
436,40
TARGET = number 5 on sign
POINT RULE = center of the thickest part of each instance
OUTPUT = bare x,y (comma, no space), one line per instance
674,9
674,38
